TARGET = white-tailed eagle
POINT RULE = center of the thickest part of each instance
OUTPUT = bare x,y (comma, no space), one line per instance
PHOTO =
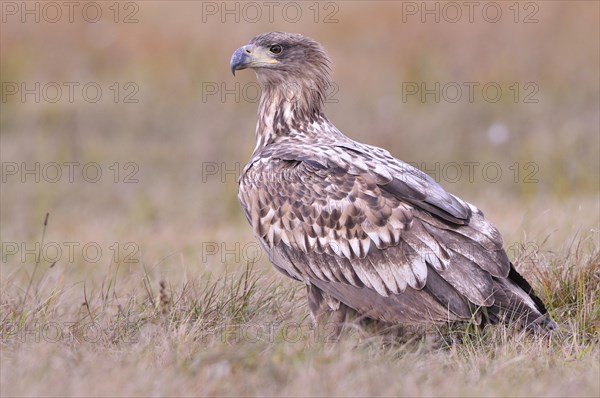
362,229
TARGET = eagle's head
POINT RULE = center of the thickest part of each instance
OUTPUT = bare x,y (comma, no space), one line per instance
289,63
275,52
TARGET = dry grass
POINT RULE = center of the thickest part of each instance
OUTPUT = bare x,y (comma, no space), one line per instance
245,331
174,303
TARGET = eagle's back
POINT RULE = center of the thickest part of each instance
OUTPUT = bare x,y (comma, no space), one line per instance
365,228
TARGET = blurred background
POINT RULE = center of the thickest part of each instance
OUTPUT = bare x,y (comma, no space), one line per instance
124,122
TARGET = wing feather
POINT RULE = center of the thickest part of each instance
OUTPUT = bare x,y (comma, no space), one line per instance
349,220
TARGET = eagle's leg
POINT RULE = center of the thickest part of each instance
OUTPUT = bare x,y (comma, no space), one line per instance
328,314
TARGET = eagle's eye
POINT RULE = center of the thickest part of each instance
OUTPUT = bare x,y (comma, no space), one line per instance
276,49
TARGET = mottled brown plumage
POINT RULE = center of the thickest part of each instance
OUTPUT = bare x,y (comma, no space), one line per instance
362,229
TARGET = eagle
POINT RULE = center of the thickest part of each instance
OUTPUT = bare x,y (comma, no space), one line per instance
365,232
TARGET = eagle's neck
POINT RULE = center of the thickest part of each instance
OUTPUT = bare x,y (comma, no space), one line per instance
287,108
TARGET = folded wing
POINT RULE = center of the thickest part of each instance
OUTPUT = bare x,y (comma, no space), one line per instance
352,226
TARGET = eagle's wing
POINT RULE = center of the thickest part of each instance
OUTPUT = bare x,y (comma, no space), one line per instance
358,220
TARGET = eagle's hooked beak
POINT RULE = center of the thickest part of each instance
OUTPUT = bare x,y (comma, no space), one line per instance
250,56
241,58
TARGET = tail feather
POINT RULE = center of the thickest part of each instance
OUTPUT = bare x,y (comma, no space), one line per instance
516,301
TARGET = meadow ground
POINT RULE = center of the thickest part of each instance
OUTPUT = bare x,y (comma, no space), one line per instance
243,330
146,279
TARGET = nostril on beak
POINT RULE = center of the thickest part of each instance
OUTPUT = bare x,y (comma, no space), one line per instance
248,51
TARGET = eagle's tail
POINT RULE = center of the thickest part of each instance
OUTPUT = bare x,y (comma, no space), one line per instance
515,301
